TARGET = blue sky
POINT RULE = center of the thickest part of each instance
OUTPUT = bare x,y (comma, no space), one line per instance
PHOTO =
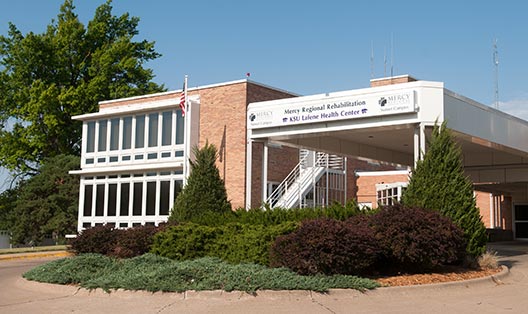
311,47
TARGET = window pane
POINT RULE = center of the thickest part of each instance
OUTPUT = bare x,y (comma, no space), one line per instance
180,124
127,132
521,230
166,133
114,134
138,198
103,126
521,212
90,137
99,200
164,197
178,185
112,199
153,130
125,196
140,131
88,193
151,198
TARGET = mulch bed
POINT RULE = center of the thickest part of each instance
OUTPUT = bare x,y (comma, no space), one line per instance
447,274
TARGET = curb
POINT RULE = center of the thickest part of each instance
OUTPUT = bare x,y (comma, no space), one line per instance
28,255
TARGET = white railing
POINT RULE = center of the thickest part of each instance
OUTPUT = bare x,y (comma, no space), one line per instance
303,178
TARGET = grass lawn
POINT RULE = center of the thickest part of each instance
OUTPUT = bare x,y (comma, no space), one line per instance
154,273
34,249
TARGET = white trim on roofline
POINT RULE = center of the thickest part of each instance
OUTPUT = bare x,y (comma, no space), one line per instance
381,173
135,108
143,167
107,102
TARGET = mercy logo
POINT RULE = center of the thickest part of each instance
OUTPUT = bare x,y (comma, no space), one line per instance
395,100
261,115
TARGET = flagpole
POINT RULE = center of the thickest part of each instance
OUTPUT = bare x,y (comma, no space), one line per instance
186,134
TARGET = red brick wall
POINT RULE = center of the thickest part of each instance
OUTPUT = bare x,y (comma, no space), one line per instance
223,123
507,213
483,203
281,162
366,186
353,165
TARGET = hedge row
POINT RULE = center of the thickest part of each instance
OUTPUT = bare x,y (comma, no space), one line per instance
233,242
394,239
269,217
122,243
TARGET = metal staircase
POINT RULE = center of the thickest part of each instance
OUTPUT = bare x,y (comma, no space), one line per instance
317,180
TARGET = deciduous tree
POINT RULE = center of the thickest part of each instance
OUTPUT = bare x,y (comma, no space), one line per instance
47,78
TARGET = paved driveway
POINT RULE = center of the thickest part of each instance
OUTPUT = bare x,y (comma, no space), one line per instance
510,295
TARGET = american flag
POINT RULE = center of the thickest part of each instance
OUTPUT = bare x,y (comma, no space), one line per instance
182,100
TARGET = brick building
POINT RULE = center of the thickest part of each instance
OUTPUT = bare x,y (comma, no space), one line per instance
285,150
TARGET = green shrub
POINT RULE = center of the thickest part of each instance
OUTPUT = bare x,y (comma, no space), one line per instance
233,242
154,273
414,239
275,216
75,270
327,246
438,182
205,190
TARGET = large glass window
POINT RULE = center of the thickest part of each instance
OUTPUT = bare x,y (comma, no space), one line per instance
140,131
151,198
125,196
164,197
114,134
112,199
103,126
90,137
88,193
180,125
99,200
153,130
127,132
138,199
166,132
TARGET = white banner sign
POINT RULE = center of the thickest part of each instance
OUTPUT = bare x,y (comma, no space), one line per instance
332,109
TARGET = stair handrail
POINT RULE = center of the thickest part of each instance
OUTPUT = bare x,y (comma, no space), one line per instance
289,180
293,176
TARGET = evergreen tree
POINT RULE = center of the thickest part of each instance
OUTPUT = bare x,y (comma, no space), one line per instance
438,182
47,203
205,191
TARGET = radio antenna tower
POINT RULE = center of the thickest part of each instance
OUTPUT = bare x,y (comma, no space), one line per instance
384,61
392,54
496,65
371,59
